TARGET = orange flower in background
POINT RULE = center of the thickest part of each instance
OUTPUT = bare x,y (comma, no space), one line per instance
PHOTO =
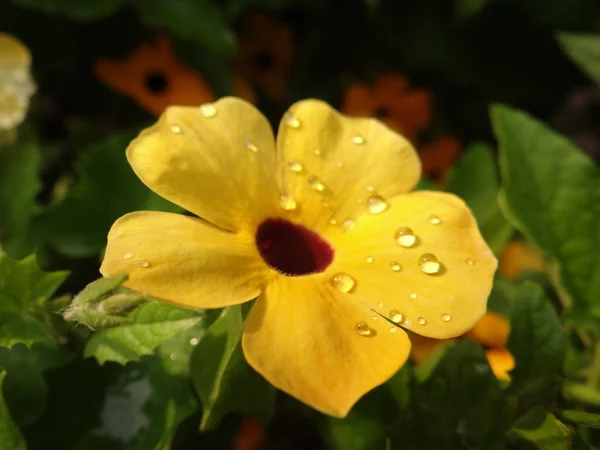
154,77
405,110
518,257
438,156
266,52
491,331
251,435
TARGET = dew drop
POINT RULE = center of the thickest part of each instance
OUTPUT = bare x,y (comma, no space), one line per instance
446,317
144,263
429,264
369,260
370,188
376,204
413,295
317,152
470,262
375,317
365,330
316,184
395,266
407,322
339,165
128,255
405,237
396,316
291,120
434,220
380,305
208,110
176,129
333,221
251,146
421,321
194,341
287,202
343,282
393,330
295,166
358,139
349,224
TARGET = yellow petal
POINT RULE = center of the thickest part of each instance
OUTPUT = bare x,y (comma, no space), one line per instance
184,260
390,279
492,330
332,165
216,160
501,361
13,54
302,336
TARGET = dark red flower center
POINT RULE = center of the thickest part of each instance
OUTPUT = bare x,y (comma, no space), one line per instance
292,249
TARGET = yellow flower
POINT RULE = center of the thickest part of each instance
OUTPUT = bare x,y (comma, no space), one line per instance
16,85
319,226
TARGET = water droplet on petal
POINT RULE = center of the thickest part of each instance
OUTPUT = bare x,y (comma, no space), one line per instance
446,317
339,165
317,152
333,221
470,262
370,188
421,321
380,305
429,264
251,146
396,316
413,295
287,202
316,184
194,341
405,237
176,129
434,220
128,255
375,317
343,282
295,166
358,139
291,120
407,322
376,204
393,330
369,259
365,330
395,266
208,110
349,224
144,263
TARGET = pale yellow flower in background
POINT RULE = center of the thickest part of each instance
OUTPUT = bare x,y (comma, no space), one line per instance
16,84
319,226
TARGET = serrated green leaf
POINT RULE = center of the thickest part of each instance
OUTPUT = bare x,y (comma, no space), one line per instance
223,380
584,49
23,288
10,435
475,180
543,430
551,193
145,328
106,190
75,9
460,405
538,343
19,184
198,20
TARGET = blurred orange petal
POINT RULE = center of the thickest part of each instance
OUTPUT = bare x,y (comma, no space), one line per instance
250,436
153,76
492,330
438,156
518,257
501,361
358,101
423,347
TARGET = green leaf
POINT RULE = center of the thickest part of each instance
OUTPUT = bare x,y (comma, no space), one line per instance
76,9
538,343
23,289
541,429
223,380
584,49
144,329
357,431
107,189
20,165
582,393
581,417
10,435
551,193
198,20
475,180
460,405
